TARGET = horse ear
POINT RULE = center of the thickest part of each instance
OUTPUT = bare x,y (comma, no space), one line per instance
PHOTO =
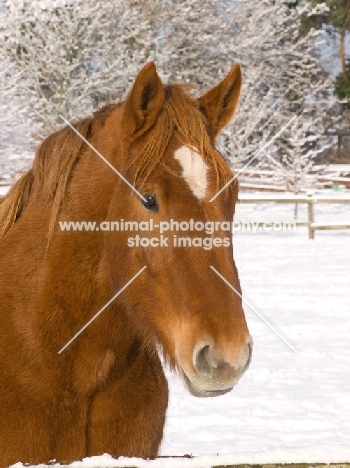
145,99
219,103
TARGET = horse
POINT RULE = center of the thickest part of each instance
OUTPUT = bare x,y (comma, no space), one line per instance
107,392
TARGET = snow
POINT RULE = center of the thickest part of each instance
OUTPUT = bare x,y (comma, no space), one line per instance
12,167
4,189
289,407
310,454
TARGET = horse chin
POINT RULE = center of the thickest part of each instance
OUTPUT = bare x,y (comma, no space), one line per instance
198,392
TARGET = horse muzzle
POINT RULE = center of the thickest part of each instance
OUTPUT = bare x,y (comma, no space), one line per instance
212,376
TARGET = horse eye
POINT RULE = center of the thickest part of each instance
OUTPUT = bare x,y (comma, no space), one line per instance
151,203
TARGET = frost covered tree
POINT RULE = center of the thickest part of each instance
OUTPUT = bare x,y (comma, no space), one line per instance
14,128
68,55
288,78
334,16
297,153
74,55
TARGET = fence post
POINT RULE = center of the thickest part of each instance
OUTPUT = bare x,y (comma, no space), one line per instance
310,218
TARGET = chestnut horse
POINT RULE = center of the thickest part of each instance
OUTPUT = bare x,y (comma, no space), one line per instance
107,392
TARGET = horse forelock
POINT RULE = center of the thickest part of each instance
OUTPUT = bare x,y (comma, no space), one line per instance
180,118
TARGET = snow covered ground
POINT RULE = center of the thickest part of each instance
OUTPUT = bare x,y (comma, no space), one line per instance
289,407
282,455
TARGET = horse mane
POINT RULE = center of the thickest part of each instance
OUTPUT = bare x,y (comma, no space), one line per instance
57,155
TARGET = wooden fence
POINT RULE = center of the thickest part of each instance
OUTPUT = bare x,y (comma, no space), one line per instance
310,201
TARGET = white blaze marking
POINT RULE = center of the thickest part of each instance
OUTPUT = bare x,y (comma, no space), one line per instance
194,170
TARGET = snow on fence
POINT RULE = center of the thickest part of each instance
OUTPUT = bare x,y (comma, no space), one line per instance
311,201
320,177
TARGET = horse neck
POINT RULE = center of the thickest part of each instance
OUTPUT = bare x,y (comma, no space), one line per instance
74,283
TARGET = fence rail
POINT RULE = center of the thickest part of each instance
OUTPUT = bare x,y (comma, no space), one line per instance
310,201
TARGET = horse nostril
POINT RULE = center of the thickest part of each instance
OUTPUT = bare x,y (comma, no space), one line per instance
209,366
202,363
